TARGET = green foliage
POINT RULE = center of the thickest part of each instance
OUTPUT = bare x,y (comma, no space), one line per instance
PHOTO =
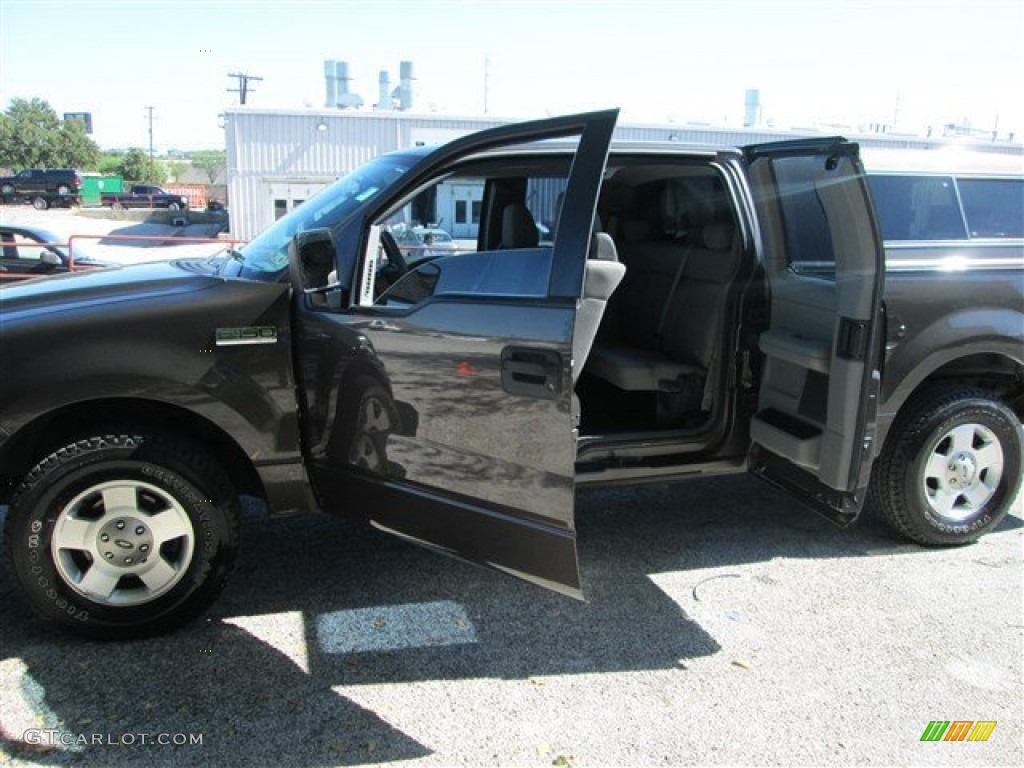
110,162
136,166
212,161
32,136
176,169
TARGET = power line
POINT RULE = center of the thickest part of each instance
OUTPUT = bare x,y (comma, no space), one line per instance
243,84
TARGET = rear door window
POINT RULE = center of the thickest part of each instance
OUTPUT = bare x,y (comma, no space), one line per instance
993,207
917,207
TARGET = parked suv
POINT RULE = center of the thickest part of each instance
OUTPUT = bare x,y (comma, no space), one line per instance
43,187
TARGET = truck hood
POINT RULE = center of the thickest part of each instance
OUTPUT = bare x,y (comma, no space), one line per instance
68,292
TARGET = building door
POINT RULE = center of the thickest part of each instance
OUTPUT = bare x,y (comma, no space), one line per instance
464,216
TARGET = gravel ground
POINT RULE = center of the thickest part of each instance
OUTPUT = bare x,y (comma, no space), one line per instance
725,625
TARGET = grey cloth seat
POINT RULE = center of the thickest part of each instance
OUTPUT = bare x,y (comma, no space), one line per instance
671,325
601,276
518,228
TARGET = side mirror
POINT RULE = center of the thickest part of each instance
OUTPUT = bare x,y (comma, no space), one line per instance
311,258
50,259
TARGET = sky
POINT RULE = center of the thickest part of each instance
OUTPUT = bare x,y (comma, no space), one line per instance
912,64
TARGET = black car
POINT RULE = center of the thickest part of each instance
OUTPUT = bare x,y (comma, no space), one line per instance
44,187
699,311
31,251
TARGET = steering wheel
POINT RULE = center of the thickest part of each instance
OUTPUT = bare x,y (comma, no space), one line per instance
394,253
396,267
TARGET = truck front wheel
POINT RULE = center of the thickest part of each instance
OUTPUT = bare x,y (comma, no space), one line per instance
951,467
123,535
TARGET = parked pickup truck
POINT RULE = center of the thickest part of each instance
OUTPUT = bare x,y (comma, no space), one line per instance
145,196
700,311
43,187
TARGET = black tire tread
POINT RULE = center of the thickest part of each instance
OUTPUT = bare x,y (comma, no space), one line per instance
888,477
192,456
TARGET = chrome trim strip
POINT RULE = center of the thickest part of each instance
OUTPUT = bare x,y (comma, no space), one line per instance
980,242
243,342
952,264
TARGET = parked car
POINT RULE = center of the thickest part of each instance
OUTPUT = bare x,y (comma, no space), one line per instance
419,243
731,313
145,196
43,187
31,252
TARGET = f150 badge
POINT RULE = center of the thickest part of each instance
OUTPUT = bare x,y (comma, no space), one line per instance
253,334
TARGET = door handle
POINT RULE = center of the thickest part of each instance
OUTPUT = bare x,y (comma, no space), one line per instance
531,372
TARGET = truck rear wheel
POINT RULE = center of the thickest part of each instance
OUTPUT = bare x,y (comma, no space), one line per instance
40,203
951,466
123,535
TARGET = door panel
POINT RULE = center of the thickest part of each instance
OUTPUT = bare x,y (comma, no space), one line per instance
819,385
443,410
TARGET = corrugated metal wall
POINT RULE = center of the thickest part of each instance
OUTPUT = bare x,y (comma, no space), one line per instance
318,146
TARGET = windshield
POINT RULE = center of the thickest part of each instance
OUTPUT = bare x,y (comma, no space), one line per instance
267,254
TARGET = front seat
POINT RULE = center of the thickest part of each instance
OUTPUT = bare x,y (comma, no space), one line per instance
601,276
518,229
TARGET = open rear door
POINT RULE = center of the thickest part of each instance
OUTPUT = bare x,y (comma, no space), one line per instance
815,423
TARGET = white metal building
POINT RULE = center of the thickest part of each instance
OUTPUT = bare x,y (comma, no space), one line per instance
277,159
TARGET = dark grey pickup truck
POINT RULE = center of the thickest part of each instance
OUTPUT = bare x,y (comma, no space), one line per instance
145,196
685,311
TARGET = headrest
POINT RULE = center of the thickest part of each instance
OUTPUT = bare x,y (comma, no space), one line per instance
718,235
602,247
518,229
635,230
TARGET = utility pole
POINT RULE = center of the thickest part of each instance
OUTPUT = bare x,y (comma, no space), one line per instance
243,84
149,111
487,80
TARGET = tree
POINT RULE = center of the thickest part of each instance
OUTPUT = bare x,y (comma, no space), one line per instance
212,161
32,136
177,169
137,166
110,161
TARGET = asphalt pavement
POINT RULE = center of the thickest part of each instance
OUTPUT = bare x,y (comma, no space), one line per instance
724,625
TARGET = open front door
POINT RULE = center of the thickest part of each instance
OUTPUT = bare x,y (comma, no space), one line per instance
815,423
441,397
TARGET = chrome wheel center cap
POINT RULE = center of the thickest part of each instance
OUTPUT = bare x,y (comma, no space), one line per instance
124,542
961,471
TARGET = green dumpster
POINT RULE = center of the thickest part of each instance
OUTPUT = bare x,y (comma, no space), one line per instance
96,184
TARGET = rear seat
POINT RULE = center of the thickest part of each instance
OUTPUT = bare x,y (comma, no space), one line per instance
664,332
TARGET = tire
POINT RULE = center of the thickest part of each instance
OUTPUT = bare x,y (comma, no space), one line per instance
40,203
950,468
174,207
123,535
7,190
63,190
365,426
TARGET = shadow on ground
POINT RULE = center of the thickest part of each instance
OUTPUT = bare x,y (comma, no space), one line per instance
253,700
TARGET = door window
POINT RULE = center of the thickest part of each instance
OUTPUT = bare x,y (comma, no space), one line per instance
418,258
917,207
993,207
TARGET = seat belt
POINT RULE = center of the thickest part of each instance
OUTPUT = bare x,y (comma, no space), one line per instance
671,294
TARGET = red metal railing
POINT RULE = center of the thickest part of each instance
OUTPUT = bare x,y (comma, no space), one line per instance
70,247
